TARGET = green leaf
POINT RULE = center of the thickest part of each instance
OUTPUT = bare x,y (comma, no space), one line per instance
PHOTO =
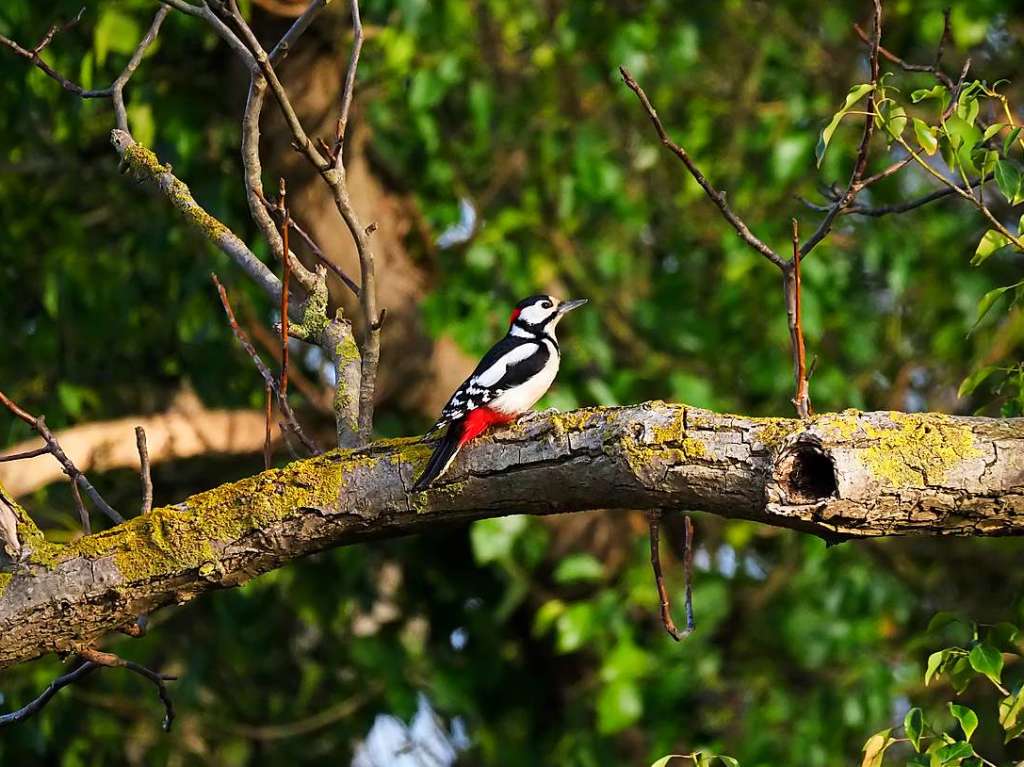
1011,715
1003,637
925,136
942,619
991,130
954,752
663,762
975,379
857,92
574,626
913,723
618,706
874,749
990,242
492,539
114,32
1008,141
579,567
987,660
960,674
729,761
967,718
963,137
892,119
1009,179
935,662
935,92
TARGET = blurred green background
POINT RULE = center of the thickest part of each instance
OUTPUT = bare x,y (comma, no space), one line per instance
541,636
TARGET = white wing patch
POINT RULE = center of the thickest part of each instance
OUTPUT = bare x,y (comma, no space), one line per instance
496,372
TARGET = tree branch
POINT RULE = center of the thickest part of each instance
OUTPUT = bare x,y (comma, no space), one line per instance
837,475
717,197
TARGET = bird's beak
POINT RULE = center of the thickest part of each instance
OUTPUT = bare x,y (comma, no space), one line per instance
567,306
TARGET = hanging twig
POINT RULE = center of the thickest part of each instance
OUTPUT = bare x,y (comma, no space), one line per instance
38,424
110,660
145,472
654,525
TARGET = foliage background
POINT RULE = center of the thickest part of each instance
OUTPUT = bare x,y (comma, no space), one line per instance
557,655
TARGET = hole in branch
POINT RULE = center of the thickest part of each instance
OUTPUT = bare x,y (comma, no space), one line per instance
807,474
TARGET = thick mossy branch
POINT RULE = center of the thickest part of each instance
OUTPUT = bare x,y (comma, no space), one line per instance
838,475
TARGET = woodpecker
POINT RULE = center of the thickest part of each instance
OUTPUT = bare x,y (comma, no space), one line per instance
509,380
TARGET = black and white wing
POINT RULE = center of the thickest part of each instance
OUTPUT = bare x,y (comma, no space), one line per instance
510,362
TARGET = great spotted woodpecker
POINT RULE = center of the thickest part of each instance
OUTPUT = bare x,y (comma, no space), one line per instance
509,380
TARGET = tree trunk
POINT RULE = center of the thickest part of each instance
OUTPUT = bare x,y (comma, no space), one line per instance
837,475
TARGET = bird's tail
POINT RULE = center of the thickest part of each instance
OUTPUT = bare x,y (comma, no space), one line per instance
444,453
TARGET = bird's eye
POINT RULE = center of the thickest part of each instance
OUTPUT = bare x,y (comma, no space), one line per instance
546,305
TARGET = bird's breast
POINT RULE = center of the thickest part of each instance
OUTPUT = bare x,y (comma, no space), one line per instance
521,398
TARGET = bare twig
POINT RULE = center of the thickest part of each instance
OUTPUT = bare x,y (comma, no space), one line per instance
314,248
282,207
268,377
38,425
932,69
688,571
83,513
27,454
350,85
52,689
294,32
654,518
115,91
860,164
717,197
110,660
791,282
144,470
269,416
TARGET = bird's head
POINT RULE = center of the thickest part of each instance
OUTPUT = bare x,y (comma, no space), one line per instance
540,314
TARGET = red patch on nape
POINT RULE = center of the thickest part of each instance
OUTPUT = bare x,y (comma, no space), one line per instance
479,420
514,317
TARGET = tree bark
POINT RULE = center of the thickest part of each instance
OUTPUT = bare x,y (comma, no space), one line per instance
837,475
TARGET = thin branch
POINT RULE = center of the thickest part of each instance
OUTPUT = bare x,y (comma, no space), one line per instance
350,85
268,377
861,163
117,88
38,425
83,513
903,207
665,605
52,689
301,24
314,248
110,660
115,91
145,473
268,413
223,31
654,518
147,166
282,207
932,69
717,197
301,141
791,285
27,454
688,572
